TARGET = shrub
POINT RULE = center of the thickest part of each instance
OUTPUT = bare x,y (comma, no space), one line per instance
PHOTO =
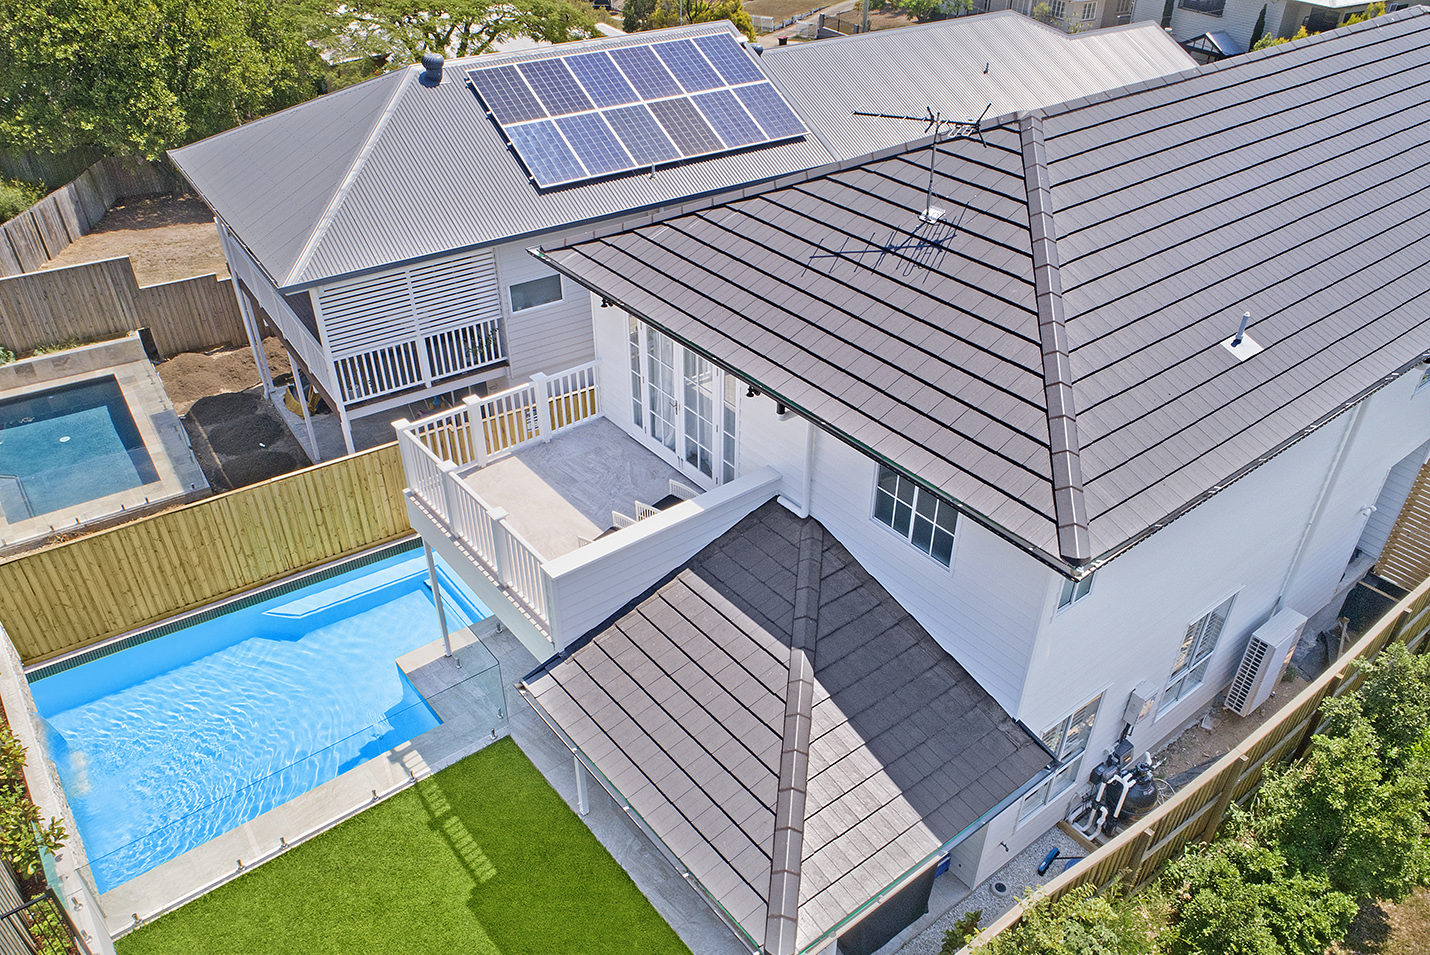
22,833
1080,923
16,197
1236,896
963,930
6,355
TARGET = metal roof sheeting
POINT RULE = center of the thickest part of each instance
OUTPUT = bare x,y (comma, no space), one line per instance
392,171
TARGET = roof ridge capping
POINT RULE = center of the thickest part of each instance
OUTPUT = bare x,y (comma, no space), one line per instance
1069,504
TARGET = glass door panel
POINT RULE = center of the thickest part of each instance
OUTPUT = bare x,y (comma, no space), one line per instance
699,414
660,380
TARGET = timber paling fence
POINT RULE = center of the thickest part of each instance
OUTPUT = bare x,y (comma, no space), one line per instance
1135,856
48,227
99,300
78,593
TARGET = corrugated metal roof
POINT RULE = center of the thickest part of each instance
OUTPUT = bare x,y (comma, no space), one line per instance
682,700
939,66
1291,183
392,171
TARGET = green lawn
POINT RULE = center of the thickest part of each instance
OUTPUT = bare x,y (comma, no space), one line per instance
484,858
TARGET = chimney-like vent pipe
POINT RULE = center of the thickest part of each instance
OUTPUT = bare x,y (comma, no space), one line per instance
1241,331
432,68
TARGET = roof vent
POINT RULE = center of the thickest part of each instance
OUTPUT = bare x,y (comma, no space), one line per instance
432,68
1240,345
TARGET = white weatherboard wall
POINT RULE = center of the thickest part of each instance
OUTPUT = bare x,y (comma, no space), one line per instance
1238,19
548,337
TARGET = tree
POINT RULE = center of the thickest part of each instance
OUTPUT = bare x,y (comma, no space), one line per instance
1079,922
1395,699
926,10
654,14
402,30
143,76
1259,29
1236,896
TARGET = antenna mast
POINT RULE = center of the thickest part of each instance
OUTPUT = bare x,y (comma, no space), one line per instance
949,129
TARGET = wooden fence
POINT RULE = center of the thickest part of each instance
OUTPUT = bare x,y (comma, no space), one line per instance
69,596
1406,555
1135,856
48,227
102,299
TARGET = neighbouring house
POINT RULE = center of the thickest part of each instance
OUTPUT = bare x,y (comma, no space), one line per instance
901,489
1214,29
380,230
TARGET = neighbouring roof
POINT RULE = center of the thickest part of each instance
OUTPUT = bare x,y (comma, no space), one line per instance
391,171
1218,44
940,66
788,731
1049,354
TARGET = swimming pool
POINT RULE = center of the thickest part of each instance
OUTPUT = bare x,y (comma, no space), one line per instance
68,445
171,742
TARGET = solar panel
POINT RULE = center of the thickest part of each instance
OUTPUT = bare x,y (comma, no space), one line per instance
555,87
602,112
724,112
542,147
595,145
602,79
645,140
732,62
506,94
771,111
643,68
689,66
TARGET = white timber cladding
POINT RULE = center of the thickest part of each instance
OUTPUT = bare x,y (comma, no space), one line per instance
548,337
242,266
432,321
1238,19
1391,499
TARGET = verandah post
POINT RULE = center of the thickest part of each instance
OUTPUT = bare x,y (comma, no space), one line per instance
542,386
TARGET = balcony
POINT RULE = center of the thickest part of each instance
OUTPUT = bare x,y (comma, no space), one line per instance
551,513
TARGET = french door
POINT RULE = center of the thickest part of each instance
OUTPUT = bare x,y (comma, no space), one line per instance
685,406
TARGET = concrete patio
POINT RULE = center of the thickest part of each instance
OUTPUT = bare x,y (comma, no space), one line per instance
567,488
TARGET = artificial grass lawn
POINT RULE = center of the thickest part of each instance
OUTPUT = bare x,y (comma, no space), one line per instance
483,858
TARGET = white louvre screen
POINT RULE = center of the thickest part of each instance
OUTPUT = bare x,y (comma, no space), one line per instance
368,314
456,294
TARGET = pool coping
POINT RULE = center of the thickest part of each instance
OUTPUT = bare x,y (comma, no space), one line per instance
445,685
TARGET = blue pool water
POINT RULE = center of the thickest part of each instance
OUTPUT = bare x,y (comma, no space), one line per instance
167,744
66,446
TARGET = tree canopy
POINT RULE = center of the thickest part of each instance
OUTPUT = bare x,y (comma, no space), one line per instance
653,14
141,76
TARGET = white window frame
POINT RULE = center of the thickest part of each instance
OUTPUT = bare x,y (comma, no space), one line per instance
1194,655
1058,8
1089,12
918,511
511,292
1074,590
1424,380
1069,749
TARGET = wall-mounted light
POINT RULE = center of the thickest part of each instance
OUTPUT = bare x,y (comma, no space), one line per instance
606,303
752,392
780,409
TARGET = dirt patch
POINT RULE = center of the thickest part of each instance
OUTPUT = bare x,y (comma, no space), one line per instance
165,237
195,375
249,434
216,409
252,468
1199,745
1384,928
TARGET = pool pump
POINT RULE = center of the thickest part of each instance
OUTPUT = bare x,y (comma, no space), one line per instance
1123,795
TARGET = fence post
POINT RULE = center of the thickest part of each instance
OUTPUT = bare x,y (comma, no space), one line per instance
1223,799
500,543
1139,849
542,386
478,427
403,451
1313,723
450,494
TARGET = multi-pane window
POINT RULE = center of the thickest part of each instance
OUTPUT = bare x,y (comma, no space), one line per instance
542,291
1124,8
1195,654
926,519
1075,590
635,340
727,432
1058,9
1089,12
1067,739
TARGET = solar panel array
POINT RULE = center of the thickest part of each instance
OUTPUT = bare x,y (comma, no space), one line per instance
586,115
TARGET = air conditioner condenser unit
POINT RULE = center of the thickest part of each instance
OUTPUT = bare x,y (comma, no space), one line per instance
1265,659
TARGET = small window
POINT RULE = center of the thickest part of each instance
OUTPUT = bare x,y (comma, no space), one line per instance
1067,739
541,291
1124,8
1089,12
1424,379
1058,9
924,518
1075,590
1195,654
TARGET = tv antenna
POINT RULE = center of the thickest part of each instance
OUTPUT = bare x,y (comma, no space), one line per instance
941,128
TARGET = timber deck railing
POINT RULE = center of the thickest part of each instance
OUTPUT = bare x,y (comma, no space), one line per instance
1136,855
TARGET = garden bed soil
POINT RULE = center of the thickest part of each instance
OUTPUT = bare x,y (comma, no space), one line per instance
165,237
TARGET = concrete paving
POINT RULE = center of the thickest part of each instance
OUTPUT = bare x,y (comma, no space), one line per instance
566,489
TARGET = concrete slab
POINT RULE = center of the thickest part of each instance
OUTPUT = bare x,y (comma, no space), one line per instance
566,489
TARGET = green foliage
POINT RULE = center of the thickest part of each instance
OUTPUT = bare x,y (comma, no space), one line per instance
1043,12
1269,41
1259,29
1342,813
1376,9
50,349
1236,896
1080,923
398,32
963,930
15,198
22,832
925,10
141,76
6,355
1395,699
654,14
